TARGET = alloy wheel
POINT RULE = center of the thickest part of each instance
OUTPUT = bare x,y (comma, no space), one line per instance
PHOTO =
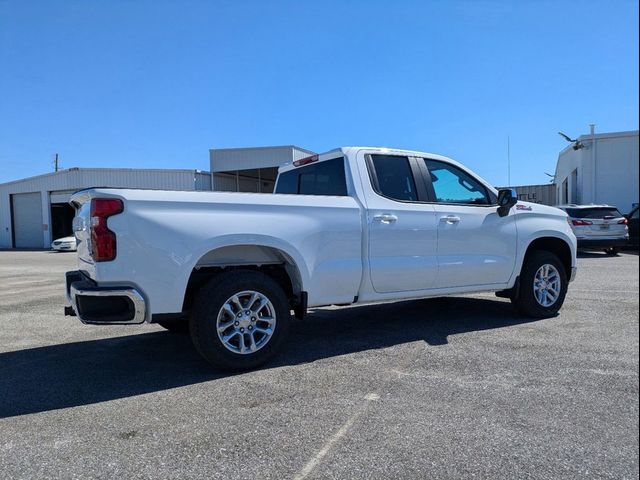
246,322
547,285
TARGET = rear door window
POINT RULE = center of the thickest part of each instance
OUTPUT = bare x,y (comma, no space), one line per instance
394,177
324,178
594,213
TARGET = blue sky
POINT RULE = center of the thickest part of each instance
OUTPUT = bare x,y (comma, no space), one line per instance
155,84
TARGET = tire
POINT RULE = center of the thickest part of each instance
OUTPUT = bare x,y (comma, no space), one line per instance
175,326
527,301
215,306
612,251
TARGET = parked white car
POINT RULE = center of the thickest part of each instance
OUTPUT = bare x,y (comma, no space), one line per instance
350,226
64,244
600,227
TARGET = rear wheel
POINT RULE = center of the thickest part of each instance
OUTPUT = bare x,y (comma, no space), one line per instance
613,251
240,320
543,285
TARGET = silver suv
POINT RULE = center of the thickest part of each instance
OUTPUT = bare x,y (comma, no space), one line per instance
598,227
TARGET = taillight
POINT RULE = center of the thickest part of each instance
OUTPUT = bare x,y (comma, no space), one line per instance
103,240
581,223
624,221
306,161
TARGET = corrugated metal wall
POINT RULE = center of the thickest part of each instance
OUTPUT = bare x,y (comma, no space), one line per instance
232,159
79,178
242,182
223,182
299,153
543,194
202,181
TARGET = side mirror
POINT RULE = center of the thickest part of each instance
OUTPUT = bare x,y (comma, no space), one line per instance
507,198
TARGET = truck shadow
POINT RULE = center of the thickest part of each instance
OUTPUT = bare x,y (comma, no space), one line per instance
81,373
602,254
593,254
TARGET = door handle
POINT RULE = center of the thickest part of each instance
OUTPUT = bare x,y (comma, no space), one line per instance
451,219
386,218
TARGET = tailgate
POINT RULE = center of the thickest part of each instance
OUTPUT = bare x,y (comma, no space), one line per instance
606,227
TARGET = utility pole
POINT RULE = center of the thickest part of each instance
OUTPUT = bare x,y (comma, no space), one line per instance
55,163
594,164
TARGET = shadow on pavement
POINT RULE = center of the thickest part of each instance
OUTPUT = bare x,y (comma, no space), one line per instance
81,373
602,254
594,254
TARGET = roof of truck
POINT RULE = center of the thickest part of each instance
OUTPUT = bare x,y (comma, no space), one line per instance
346,150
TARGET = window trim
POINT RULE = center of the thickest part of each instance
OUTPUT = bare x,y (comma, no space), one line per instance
426,174
421,191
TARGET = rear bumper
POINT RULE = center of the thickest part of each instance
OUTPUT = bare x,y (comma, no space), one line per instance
603,242
98,305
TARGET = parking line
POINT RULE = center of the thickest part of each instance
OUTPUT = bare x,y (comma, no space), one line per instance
317,458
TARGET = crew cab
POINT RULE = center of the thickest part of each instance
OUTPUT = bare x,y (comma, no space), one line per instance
350,226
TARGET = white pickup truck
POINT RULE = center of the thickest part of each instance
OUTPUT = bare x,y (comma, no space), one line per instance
350,226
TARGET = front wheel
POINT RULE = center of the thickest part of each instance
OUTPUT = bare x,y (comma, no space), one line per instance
543,285
240,320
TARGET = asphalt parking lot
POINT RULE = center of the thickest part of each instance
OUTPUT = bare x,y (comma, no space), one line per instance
442,388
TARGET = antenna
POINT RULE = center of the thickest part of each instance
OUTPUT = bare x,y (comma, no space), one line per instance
55,163
508,160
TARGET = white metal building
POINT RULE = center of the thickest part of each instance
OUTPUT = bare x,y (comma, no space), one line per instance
599,168
544,194
251,169
34,211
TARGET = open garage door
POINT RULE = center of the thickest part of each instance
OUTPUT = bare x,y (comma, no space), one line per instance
26,219
61,220
61,214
